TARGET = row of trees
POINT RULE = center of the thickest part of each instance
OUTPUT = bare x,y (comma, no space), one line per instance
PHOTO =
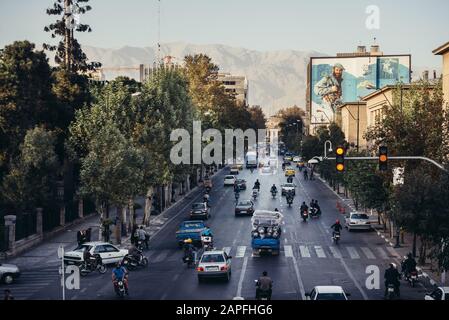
416,123
111,142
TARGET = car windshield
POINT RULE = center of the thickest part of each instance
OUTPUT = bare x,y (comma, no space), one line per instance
212,258
330,296
289,185
193,225
198,206
359,216
245,203
229,177
82,247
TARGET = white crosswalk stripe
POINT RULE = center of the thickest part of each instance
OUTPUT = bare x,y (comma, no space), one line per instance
382,253
353,253
288,251
305,253
368,253
335,252
320,252
240,252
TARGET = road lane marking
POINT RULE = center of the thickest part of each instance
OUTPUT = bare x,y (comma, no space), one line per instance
382,253
227,250
320,252
368,253
240,252
305,253
242,276
393,252
335,252
298,277
288,251
353,253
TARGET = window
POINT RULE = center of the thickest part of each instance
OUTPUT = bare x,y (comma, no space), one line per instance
330,296
111,249
437,294
213,258
100,249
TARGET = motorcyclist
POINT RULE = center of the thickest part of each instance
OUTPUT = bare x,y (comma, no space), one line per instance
206,198
257,185
408,265
273,189
304,207
264,284
189,249
276,210
134,252
207,233
290,179
289,196
312,204
318,209
337,227
392,276
306,175
120,273
89,259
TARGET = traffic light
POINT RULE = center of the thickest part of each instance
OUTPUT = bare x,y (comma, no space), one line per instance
340,159
383,158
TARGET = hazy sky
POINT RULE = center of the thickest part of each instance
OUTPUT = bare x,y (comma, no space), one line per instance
328,26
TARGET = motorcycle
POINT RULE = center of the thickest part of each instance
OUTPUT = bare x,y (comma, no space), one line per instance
411,277
88,267
255,194
189,259
336,236
289,201
208,243
261,294
237,196
273,193
305,215
131,262
140,245
314,213
119,287
391,292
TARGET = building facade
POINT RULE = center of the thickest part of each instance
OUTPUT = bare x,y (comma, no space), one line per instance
353,116
444,52
235,85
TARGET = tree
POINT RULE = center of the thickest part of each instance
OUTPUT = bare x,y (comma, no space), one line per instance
32,179
258,117
69,54
291,125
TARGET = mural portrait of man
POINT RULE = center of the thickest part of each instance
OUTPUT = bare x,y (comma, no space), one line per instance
329,88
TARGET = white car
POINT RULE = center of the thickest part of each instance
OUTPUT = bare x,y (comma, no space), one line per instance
214,264
8,272
296,159
440,293
327,293
286,187
108,253
266,168
229,180
356,220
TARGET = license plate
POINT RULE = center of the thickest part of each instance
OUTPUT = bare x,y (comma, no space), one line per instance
242,211
212,268
390,289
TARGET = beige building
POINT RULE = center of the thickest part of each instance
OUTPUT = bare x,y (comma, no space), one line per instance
237,85
350,117
444,51
273,128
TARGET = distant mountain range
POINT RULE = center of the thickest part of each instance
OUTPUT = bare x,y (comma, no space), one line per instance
277,79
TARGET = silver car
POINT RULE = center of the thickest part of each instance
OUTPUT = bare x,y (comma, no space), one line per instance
8,272
214,264
359,221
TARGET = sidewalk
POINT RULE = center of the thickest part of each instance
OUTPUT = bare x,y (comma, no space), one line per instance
45,253
406,245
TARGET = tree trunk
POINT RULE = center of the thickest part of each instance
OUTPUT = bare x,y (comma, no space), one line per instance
148,204
131,215
124,230
118,225
101,211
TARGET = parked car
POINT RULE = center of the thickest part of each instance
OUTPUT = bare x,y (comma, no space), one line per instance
286,187
229,180
356,220
8,273
241,183
244,207
214,264
327,293
199,211
109,253
440,293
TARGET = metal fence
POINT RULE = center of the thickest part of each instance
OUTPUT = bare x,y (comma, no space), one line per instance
25,225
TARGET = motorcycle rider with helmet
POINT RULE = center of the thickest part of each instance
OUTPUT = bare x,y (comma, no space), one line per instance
337,227
119,273
392,276
264,285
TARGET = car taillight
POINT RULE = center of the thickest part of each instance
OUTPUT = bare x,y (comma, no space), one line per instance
224,268
200,269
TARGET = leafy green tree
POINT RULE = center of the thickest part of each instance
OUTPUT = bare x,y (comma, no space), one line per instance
258,117
291,127
32,179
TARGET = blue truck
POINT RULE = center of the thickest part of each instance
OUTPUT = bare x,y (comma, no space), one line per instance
266,232
192,229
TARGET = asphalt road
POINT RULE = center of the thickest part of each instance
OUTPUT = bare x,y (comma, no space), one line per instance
308,257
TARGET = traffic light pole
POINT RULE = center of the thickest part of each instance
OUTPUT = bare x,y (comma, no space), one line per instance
440,166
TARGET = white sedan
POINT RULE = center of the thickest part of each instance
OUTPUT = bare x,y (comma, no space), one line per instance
214,264
356,220
440,293
327,293
229,180
108,253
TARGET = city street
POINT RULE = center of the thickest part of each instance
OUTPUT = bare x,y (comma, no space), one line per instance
308,256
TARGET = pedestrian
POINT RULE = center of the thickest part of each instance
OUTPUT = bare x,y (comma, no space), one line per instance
83,236
88,234
8,295
134,235
79,235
